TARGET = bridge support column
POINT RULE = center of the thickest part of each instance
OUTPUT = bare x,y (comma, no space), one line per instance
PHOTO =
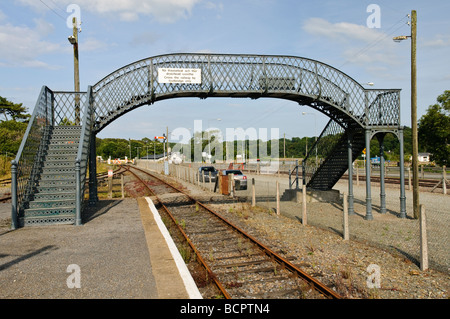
14,220
350,208
93,195
380,138
368,194
402,176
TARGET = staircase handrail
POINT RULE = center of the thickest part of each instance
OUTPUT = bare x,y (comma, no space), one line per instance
82,155
25,168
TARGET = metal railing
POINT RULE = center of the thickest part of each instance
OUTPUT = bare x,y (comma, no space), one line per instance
81,161
25,168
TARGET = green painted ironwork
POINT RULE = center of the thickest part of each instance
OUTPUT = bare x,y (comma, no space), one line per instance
48,169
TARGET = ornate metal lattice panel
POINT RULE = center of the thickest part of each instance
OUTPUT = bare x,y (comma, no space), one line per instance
305,81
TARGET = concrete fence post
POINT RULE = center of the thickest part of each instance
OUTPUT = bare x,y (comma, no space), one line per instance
345,221
423,240
278,198
304,218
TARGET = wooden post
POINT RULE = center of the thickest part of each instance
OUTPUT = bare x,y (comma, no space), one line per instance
210,182
409,178
231,183
121,185
345,221
110,184
253,193
423,240
278,198
304,219
357,175
444,180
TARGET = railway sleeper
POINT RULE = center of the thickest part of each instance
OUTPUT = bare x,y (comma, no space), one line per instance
242,264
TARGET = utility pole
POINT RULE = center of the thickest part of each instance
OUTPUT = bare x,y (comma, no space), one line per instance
415,143
415,151
74,41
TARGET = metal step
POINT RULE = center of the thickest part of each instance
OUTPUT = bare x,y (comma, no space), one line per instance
49,220
57,182
55,203
54,196
56,188
56,176
61,157
45,216
59,164
55,170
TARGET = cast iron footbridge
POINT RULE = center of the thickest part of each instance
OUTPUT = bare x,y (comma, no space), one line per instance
50,170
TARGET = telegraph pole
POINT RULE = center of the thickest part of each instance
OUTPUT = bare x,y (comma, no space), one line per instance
74,41
415,151
415,143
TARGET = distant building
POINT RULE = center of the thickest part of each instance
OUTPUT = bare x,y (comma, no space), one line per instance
424,157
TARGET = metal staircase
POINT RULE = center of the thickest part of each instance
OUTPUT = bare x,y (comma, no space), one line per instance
54,197
336,164
48,175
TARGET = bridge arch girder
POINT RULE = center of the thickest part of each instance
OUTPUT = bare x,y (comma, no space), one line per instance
305,81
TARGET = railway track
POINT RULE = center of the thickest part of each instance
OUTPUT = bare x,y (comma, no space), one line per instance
5,198
239,264
396,180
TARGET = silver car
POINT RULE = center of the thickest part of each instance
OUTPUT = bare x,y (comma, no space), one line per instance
240,180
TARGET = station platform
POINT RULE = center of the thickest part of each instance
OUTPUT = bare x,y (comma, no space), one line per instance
122,251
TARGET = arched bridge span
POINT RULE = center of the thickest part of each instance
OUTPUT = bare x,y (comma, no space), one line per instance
305,81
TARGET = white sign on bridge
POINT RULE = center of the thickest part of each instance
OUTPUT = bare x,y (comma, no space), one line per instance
186,76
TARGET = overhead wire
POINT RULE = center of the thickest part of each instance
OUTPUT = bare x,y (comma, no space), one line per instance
378,40
53,10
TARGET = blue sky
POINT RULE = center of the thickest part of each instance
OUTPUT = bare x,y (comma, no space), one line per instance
35,52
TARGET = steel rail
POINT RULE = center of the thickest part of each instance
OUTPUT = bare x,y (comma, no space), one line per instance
197,253
317,285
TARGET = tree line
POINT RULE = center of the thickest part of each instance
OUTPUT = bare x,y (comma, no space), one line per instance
433,136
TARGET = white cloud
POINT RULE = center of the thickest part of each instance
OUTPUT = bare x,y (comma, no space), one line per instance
356,43
166,11
438,41
342,31
22,45
145,38
92,44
